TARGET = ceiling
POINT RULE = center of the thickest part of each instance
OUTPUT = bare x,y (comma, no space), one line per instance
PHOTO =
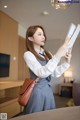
30,12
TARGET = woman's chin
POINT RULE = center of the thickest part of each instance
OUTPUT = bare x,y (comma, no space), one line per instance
42,44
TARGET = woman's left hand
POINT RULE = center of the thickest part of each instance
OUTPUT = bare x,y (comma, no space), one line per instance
68,56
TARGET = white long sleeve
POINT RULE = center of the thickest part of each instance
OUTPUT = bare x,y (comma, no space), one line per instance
60,69
44,71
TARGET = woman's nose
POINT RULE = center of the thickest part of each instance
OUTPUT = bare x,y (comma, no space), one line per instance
43,37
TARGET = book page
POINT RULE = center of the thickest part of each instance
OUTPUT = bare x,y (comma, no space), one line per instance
74,36
71,30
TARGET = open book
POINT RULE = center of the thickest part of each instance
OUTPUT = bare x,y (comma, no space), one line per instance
73,34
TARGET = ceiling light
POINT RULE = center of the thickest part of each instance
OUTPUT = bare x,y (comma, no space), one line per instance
5,6
61,4
45,13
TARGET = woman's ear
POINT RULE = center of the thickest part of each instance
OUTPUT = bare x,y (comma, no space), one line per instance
30,38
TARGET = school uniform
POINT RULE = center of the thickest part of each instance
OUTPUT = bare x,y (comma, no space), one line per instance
42,97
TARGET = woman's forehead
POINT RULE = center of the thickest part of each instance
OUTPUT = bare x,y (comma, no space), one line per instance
39,30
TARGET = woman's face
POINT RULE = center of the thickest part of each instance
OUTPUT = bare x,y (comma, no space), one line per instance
38,38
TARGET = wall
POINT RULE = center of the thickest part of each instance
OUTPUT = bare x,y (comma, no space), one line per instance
22,68
76,60
53,46
9,43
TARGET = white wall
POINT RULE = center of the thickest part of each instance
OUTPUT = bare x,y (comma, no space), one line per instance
53,46
76,60
21,31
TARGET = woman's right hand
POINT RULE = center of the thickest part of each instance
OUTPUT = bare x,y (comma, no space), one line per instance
68,55
63,49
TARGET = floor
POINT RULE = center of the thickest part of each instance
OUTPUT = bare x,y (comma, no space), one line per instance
61,101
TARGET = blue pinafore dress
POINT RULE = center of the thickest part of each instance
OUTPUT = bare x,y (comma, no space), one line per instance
42,97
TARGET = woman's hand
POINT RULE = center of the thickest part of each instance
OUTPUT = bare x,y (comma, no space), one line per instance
63,49
68,56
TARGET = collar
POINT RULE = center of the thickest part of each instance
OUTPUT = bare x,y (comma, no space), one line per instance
41,50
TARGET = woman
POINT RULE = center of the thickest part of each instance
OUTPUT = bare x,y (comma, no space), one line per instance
43,64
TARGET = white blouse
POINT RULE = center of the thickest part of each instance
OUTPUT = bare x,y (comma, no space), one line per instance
51,68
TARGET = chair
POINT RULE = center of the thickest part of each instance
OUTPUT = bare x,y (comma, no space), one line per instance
76,93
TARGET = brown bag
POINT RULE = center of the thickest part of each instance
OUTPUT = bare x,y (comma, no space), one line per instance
26,90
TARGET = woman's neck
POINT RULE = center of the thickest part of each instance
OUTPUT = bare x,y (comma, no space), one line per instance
37,49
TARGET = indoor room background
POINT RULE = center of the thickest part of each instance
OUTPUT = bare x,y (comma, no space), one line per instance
12,40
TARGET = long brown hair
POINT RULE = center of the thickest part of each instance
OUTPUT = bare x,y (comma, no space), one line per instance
29,44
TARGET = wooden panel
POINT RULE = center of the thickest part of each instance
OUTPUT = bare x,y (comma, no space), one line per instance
10,84
12,108
2,93
23,71
9,43
11,92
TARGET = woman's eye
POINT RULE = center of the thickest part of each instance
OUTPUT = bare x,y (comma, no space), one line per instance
39,34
